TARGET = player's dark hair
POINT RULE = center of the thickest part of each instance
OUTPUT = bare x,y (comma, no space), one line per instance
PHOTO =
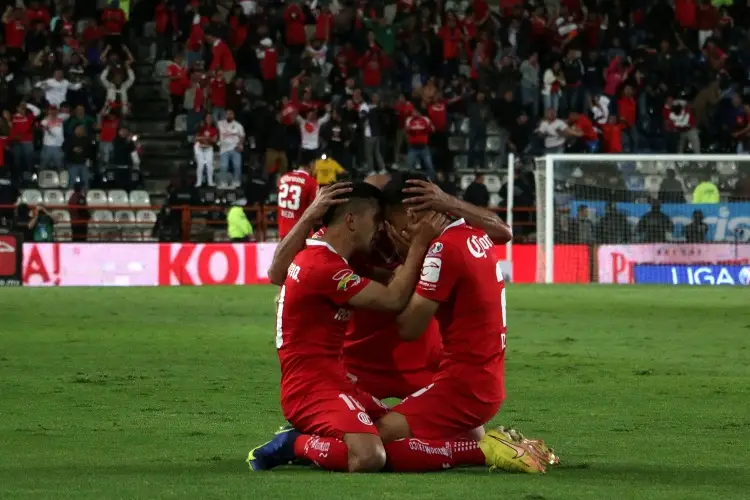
360,197
393,192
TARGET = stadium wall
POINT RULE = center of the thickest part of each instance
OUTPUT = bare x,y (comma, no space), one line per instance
197,264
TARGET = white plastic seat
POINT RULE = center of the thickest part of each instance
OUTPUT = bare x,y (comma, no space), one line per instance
493,183
494,163
180,123
464,127
461,162
726,168
49,179
102,218
124,217
139,198
96,198
61,218
457,143
54,197
145,218
466,180
495,200
31,197
652,183
493,144
118,198
161,68
64,179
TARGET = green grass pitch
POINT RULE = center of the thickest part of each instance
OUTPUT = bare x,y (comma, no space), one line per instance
159,393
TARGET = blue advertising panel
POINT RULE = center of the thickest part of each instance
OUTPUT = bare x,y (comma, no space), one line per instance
691,275
727,222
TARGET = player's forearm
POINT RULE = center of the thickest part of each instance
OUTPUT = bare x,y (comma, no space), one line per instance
405,278
288,248
494,226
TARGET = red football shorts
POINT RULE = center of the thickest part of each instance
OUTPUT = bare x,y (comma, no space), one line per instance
445,410
386,385
333,413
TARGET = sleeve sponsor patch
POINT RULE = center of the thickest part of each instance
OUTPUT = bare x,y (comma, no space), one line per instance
431,270
346,279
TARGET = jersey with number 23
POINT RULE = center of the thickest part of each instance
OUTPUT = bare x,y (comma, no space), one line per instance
297,190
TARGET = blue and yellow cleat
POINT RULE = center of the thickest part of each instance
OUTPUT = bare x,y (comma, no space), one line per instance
278,451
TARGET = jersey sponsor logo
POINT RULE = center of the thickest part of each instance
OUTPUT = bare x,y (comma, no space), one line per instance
293,272
478,246
431,269
364,418
436,248
346,279
342,315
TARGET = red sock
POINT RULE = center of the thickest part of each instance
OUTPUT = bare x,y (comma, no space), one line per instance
425,455
327,453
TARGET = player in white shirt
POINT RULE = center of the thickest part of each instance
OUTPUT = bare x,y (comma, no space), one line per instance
231,144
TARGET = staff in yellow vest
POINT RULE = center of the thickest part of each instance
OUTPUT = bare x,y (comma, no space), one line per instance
327,170
706,192
238,226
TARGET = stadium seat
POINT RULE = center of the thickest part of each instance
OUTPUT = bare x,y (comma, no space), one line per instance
49,179
180,123
493,144
31,197
726,168
124,217
727,184
145,218
117,198
495,200
464,127
62,225
493,129
634,182
494,163
493,183
652,183
54,197
96,198
139,198
64,180
690,182
647,167
161,68
102,217
457,143
461,162
466,180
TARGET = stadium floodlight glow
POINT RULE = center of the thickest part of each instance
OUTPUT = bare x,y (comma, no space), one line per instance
632,181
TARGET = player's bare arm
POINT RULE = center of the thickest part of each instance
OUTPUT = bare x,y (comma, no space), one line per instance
294,242
395,295
413,321
428,196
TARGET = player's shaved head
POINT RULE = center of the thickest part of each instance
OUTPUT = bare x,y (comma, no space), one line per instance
378,180
362,197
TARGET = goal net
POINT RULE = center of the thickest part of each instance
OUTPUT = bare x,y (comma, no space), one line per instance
643,218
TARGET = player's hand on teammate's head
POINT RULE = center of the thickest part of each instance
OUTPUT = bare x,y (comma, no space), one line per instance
426,195
428,227
329,196
400,239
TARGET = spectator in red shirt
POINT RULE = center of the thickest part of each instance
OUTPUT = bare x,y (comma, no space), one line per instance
22,135
178,83
109,123
268,59
36,13
627,110
294,20
612,135
15,34
582,128
166,27
194,43
452,37
372,63
418,131
113,21
206,138
221,57
218,90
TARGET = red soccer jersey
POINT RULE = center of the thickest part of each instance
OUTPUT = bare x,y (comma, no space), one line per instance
108,129
462,274
178,81
113,20
297,191
438,113
222,57
219,92
207,136
15,32
418,130
311,320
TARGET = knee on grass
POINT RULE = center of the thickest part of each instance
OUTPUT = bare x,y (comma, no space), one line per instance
366,453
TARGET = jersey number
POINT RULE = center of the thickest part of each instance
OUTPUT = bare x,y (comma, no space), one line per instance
290,196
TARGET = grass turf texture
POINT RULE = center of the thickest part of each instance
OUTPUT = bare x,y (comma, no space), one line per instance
159,393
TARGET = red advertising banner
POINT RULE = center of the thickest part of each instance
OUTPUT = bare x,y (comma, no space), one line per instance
197,264
10,260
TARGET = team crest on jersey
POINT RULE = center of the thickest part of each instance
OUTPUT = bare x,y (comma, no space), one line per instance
346,279
436,248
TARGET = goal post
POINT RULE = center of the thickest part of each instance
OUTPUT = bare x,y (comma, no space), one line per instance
594,200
